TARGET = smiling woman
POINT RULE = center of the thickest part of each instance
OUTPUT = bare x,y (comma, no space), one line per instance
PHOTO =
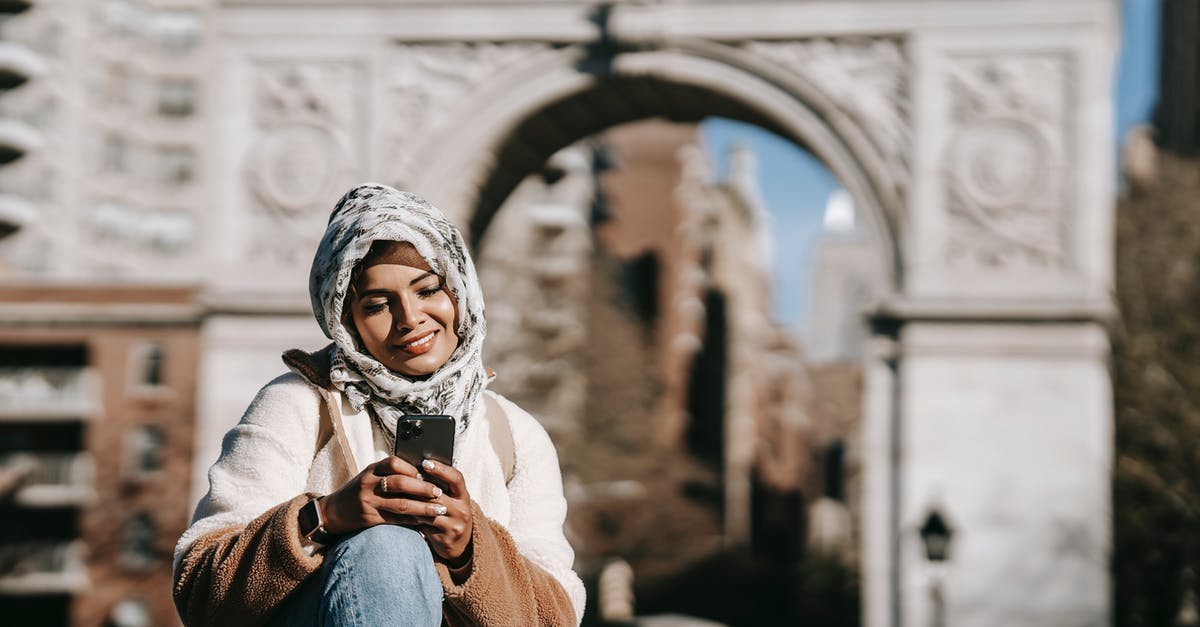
298,529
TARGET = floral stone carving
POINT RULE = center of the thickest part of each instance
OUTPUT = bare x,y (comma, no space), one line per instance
425,82
304,157
1006,161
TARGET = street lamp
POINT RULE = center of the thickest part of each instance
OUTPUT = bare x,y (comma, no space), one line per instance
936,535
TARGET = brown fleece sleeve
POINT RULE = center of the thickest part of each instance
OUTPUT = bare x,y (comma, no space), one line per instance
501,587
240,575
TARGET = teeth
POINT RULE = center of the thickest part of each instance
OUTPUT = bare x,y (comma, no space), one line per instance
425,340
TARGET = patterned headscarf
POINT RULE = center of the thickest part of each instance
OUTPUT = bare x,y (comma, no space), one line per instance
373,212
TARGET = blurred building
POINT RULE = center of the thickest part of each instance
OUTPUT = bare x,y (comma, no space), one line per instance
534,272
97,415
845,283
1177,116
694,268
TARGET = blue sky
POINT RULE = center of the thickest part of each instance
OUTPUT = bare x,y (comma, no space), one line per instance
796,186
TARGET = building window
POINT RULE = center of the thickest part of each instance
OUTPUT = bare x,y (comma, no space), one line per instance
176,165
147,366
177,31
144,450
138,538
130,613
116,154
177,97
152,366
121,17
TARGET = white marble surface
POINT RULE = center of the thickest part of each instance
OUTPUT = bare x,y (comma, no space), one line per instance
1006,430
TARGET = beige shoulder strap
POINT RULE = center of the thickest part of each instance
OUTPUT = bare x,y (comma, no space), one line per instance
331,421
500,433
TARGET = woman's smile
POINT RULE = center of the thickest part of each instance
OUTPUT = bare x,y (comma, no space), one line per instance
420,345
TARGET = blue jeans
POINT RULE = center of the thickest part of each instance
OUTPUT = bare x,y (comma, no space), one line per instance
382,575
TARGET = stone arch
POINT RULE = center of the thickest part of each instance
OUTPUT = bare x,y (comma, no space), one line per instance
469,173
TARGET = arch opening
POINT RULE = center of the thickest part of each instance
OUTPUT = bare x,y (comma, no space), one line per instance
611,102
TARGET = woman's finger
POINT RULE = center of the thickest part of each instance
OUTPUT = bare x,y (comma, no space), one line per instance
411,507
449,475
414,522
393,465
403,485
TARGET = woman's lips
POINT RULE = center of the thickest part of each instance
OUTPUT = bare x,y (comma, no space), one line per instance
420,345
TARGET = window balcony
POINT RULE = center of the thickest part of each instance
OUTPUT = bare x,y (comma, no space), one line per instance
49,393
43,567
47,479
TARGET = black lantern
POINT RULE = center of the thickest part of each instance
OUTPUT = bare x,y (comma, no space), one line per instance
936,535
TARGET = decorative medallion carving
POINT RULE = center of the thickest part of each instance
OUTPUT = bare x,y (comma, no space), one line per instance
1006,161
296,166
866,79
424,82
307,114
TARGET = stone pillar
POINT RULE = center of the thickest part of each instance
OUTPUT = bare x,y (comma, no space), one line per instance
1004,416
1006,431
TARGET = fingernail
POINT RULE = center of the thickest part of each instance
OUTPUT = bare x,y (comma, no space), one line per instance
427,464
437,491
440,510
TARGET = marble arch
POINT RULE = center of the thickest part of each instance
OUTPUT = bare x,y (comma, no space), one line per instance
978,132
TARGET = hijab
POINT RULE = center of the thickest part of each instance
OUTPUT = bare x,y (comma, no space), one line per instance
373,212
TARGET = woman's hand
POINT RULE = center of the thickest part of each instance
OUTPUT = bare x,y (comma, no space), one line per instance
388,491
450,533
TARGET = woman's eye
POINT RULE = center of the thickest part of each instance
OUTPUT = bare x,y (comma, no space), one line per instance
374,307
428,292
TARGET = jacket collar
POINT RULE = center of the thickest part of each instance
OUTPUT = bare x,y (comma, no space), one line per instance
314,366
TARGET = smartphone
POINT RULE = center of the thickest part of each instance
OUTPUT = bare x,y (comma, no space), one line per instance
425,437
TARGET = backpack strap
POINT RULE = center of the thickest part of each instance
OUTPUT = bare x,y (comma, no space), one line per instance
500,433
331,425
314,368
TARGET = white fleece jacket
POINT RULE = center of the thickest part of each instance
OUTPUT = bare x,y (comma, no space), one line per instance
271,457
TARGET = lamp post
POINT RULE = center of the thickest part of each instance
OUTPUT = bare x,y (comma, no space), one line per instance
936,536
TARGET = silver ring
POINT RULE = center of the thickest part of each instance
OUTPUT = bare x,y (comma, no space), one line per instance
383,484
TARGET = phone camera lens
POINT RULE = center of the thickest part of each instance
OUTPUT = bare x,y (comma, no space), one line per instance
417,431
405,435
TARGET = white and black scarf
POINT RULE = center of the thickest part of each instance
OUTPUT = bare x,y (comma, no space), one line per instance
373,212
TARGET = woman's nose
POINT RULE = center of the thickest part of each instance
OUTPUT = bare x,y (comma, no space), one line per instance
407,313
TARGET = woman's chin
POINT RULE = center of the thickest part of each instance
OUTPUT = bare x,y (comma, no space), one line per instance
418,367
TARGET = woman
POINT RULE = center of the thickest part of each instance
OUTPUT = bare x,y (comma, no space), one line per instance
309,519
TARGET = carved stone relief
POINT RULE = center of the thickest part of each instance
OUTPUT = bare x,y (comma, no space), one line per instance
425,82
865,78
307,114
1006,161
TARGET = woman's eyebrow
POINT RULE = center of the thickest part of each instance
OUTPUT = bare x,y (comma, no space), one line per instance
422,278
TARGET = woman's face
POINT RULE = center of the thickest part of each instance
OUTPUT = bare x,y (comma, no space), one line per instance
405,319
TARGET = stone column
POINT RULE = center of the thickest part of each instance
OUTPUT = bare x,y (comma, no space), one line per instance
1004,422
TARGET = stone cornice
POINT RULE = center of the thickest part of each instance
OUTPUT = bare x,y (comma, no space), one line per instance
105,314
570,22
899,310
